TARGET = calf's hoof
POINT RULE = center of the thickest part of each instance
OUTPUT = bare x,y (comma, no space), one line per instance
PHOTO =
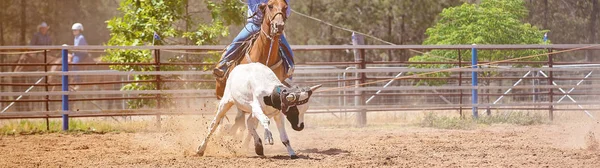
294,157
269,138
200,150
259,150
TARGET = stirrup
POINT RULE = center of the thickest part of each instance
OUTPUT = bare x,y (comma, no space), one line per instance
218,73
290,71
218,70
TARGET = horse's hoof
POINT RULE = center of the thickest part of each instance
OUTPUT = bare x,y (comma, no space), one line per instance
259,150
200,153
294,157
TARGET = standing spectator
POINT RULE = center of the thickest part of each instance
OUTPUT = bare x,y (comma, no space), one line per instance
41,37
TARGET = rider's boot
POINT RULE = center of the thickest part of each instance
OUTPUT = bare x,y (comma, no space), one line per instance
220,70
221,67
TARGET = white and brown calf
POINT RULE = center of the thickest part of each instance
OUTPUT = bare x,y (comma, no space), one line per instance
253,88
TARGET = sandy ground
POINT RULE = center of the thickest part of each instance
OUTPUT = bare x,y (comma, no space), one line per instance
388,145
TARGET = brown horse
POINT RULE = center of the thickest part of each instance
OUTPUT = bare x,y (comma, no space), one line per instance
29,59
265,48
32,59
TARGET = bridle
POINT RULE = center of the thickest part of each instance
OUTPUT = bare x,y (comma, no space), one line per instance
272,35
271,18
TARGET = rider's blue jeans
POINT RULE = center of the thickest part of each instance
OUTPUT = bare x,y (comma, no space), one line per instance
76,60
233,52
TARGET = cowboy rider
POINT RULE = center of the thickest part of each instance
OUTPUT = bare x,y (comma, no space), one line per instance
252,27
42,37
78,40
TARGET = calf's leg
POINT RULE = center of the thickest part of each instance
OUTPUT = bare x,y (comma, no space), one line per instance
251,124
279,119
224,106
263,119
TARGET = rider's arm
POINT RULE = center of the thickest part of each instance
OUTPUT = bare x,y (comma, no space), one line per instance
289,9
253,4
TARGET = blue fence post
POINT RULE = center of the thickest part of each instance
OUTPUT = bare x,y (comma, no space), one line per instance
474,81
65,88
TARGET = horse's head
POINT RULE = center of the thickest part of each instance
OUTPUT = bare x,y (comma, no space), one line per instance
26,59
274,15
294,104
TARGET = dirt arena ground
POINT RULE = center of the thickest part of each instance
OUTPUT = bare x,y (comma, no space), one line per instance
319,145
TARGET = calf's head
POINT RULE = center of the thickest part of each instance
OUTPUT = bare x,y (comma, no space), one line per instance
293,103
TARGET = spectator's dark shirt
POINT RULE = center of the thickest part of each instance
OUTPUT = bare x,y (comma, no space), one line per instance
40,39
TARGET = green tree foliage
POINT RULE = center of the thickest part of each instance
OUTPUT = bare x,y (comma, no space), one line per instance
142,18
490,22
399,22
569,22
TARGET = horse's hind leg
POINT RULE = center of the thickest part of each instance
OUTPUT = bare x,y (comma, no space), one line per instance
240,122
224,106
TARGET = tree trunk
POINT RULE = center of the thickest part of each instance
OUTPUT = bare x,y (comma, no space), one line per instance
403,53
545,14
2,57
2,29
23,22
593,29
389,33
310,9
331,41
187,22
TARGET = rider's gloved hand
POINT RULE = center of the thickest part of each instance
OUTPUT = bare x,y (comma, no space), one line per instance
262,6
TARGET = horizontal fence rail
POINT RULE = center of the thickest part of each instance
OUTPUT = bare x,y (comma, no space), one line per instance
319,47
302,71
362,83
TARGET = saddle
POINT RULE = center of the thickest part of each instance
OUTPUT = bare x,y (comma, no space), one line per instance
244,49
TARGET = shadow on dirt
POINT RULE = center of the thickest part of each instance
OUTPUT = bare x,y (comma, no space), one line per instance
286,157
330,151
301,157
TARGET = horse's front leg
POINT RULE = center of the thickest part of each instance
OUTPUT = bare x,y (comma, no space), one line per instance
239,123
283,135
224,106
